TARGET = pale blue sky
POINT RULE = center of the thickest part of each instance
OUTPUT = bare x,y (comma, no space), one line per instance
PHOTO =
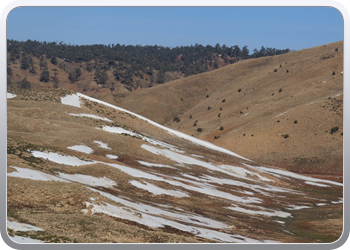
279,27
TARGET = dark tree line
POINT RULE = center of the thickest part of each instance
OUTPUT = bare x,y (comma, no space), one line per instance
127,61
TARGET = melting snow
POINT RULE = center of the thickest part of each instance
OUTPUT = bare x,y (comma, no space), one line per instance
157,190
102,144
27,173
148,164
92,116
88,180
282,114
149,217
171,131
113,157
310,180
82,148
72,100
262,212
9,95
61,159
21,240
22,226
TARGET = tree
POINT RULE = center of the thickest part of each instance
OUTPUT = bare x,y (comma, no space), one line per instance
101,77
26,61
24,84
45,75
75,75
54,60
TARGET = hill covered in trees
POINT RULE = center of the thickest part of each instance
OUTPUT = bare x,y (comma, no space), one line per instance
91,67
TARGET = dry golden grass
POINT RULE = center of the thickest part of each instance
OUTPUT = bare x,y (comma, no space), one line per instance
38,121
246,98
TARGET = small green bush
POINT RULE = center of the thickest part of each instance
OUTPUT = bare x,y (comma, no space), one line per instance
239,90
221,128
176,119
334,129
224,100
199,129
216,137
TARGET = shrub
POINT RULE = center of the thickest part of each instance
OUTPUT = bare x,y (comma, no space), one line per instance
209,108
286,136
295,122
275,70
280,90
278,120
221,128
176,119
216,137
207,96
334,129
239,90
219,114
224,100
199,129
287,71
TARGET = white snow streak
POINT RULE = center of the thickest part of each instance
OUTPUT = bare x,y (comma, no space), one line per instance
82,148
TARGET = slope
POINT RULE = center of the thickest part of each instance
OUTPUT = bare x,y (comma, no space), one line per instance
283,110
81,170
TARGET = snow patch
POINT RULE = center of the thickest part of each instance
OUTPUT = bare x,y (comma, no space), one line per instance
82,148
36,175
9,95
171,131
157,190
24,240
22,226
88,180
148,164
72,100
102,144
91,116
113,157
61,159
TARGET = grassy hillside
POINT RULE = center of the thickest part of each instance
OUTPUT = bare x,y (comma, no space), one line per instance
285,110
81,170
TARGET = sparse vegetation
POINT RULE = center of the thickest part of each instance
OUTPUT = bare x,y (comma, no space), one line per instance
199,129
334,129
176,119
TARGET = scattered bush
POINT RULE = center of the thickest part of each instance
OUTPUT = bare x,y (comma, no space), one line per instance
239,90
280,90
278,120
224,100
216,137
275,70
176,119
221,128
334,129
219,114
199,129
286,136
209,108
207,96
295,122
287,71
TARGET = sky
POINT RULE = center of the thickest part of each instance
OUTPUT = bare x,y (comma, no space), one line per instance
276,27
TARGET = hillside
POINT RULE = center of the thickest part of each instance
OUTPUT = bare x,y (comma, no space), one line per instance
115,68
285,110
80,170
